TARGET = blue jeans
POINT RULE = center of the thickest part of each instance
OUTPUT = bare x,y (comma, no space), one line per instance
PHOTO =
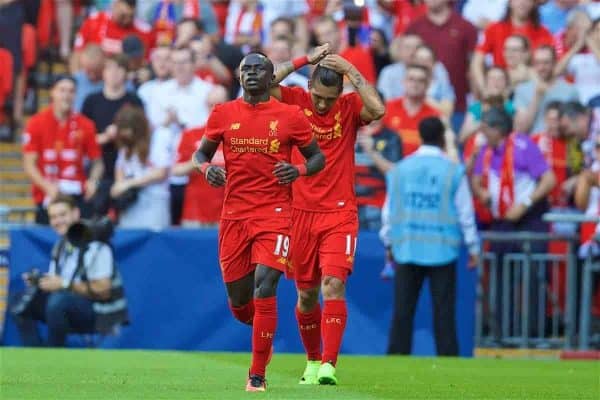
63,312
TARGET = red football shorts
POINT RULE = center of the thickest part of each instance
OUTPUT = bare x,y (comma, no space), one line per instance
323,244
245,243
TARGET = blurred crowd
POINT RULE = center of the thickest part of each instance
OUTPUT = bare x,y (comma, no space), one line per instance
143,76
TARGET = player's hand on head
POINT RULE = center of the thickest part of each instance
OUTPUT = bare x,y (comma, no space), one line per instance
336,63
318,53
216,176
286,173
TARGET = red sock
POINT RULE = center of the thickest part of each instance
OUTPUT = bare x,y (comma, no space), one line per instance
245,313
263,331
309,325
333,324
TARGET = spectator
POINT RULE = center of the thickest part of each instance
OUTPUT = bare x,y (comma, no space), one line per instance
553,144
280,51
584,66
109,29
517,55
578,24
428,211
522,17
327,31
402,51
56,141
148,92
404,114
532,97
440,93
379,50
480,16
166,14
101,108
377,150
202,203
277,13
133,50
208,67
553,14
575,123
181,104
496,86
455,51
141,190
89,77
244,25
186,30
77,290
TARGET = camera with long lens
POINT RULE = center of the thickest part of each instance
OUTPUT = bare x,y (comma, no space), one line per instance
85,231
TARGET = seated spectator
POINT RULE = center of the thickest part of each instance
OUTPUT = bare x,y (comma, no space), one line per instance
496,87
532,97
377,150
404,114
202,203
56,141
517,56
553,144
440,93
79,294
402,51
582,62
109,29
522,17
89,77
244,25
101,108
208,67
141,188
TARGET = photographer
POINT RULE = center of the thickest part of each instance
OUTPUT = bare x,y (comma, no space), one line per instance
82,291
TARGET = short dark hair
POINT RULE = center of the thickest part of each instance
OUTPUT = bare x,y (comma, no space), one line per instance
63,199
130,3
63,77
432,130
497,117
554,105
120,59
572,109
419,67
328,77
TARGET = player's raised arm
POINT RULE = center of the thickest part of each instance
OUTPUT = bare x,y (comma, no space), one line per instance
315,162
284,69
215,175
373,107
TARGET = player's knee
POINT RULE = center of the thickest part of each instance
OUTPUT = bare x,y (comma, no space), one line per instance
266,284
307,299
333,288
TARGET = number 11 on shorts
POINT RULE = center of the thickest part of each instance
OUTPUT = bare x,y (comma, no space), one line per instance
282,247
350,245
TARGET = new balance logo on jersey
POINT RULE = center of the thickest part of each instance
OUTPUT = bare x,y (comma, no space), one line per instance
235,126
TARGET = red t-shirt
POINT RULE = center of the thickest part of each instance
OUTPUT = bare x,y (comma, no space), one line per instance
495,35
460,38
363,61
99,28
405,125
255,138
202,203
333,188
61,149
555,153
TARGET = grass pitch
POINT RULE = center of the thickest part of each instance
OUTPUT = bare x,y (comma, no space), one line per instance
100,374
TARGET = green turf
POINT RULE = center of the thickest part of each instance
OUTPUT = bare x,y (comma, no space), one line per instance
100,374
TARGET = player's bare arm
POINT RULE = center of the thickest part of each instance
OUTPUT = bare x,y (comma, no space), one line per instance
373,107
216,176
284,69
287,173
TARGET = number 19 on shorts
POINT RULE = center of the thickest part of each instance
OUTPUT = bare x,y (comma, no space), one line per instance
282,247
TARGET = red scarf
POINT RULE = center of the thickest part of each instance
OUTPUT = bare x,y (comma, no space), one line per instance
506,196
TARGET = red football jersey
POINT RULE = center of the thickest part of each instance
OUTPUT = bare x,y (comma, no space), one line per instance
61,149
255,138
333,188
99,28
405,125
202,202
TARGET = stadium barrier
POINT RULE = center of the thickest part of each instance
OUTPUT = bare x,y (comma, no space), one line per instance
177,299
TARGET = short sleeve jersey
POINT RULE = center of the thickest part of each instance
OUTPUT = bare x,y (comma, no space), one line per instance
255,138
333,188
61,148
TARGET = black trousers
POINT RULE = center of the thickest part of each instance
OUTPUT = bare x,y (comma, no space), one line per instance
408,282
177,195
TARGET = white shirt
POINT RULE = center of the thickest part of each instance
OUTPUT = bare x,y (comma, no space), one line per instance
463,201
189,102
149,93
97,261
585,68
